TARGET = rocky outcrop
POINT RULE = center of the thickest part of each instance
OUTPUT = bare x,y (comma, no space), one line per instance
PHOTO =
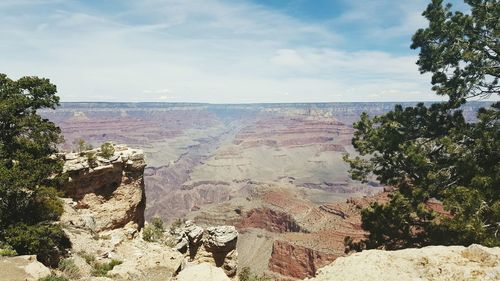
202,272
106,193
104,214
455,263
297,261
22,268
214,245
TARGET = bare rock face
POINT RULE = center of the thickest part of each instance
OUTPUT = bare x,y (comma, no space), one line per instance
202,272
454,263
22,268
214,245
297,261
221,238
105,193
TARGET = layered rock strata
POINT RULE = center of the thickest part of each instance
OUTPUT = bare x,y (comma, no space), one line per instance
104,214
297,261
105,193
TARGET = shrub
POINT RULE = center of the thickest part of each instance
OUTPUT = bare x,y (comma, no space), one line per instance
81,145
101,269
53,278
107,150
69,269
90,259
48,242
7,251
246,275
154,230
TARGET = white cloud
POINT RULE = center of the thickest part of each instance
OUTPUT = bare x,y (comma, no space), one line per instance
287,58
218,51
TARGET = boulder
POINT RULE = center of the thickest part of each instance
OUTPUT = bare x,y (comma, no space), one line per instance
215,245
220,238
193,232
454,263
22,268
202,272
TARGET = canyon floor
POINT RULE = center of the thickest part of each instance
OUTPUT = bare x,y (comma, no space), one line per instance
273,171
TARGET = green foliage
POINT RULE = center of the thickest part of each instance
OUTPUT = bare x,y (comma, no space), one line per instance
432,152
69,269
89,258
246,275
101,269
98,268
53,278
7,251
107,150
154,230
460,49
47,241
28,196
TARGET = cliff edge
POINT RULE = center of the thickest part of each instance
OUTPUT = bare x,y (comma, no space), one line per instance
454,263
105,193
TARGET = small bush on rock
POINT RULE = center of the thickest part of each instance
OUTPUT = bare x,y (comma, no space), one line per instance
7,251
107,150
101,269
246,275
69,269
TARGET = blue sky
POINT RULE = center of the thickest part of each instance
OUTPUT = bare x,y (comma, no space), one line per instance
219,51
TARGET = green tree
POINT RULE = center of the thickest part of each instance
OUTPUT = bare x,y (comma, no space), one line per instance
431,152
28,198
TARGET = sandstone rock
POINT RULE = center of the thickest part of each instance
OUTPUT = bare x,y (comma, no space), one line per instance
22,268
215,245
194,233
221,238
183,245
202,272
453,263
108,196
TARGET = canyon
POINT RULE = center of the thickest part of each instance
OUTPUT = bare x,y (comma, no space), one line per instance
274,171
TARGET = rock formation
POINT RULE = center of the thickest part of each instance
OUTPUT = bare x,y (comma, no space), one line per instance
22,268
214,245
105,193
454,263
202,272
104,214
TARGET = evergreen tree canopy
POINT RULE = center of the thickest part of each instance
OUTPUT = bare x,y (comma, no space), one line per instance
431,152
28,198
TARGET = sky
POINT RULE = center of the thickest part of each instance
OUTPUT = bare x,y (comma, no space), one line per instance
217,51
